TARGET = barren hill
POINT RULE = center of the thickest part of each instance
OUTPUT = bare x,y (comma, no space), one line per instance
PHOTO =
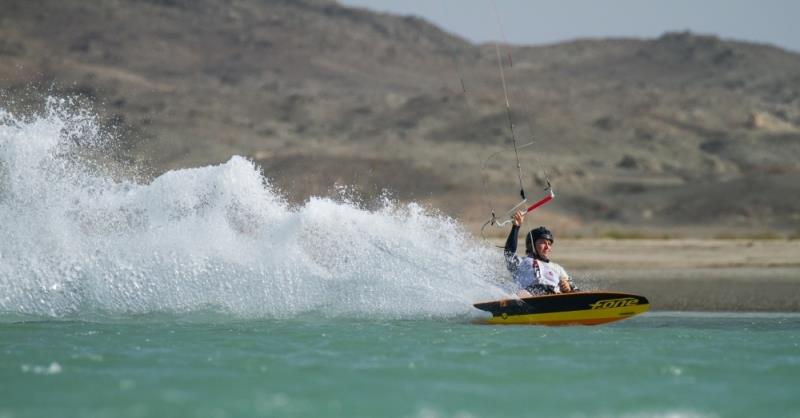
684,134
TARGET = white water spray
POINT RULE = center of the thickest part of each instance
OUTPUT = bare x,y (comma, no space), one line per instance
75,242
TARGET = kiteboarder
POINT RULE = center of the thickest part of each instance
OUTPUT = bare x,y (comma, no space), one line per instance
534,273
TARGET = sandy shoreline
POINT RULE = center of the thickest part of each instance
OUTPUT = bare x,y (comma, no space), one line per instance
690,274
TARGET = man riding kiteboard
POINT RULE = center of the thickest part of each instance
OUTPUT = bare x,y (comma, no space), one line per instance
534,273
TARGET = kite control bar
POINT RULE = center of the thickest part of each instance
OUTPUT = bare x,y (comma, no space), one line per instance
542,201
531,208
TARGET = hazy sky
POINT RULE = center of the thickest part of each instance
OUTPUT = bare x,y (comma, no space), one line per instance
536,21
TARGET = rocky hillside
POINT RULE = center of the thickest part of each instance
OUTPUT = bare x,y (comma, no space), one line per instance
681,135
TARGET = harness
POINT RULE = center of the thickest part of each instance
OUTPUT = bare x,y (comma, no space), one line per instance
539,288
537,272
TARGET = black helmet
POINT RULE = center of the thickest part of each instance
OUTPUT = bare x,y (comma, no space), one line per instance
534,234
541,232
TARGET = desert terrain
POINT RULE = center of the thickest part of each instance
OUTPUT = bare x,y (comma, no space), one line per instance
691,274
675,160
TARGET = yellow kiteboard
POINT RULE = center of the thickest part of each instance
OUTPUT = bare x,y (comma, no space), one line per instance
578,308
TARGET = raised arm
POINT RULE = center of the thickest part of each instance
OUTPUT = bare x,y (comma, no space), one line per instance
510,249
511,242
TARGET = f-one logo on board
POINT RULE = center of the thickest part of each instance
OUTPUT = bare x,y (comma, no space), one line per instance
614,303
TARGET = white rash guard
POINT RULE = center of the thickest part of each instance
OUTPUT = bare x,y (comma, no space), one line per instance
528,272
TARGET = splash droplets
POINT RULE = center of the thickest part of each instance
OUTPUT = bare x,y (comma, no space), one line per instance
77,242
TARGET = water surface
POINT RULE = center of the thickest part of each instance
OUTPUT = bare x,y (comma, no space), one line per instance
655,365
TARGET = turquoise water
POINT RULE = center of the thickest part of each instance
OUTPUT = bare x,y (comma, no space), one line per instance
209,365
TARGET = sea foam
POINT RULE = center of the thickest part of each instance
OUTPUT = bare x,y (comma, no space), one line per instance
78,241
